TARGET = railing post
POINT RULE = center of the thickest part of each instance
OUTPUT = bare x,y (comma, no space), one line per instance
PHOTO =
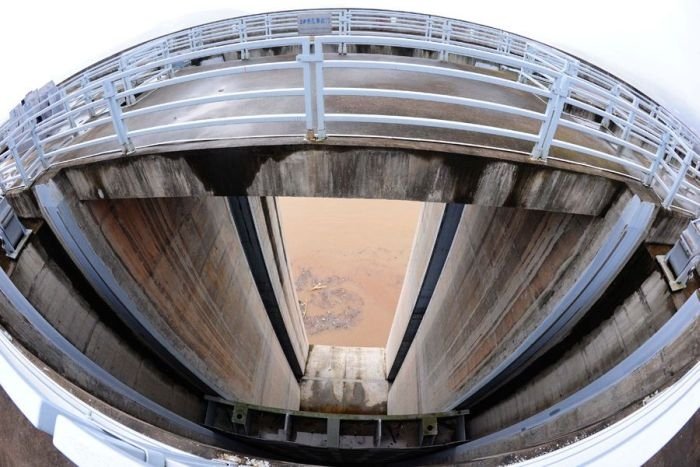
505,43
343,30
629,123
320,95
305,58
314,105
12,147
268,27
680,176
610,108
445,39
126,80
38,147
165,51
504,46
523,71
66,109
660,154
572,67
85,82
555,106
195,36
429,29
243,38
117,119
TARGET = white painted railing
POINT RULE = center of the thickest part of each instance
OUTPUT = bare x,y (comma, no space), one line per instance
643,139
636,438
83,434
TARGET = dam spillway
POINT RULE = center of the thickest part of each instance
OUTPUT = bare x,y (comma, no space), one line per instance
155,278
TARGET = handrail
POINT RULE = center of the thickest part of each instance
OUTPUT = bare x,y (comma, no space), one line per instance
643,137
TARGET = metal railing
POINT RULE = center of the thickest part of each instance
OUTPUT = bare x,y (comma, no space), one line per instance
639,138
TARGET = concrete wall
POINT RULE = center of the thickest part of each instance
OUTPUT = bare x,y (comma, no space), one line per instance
507,268
181,263
594,414
348,380
267,224
346,172
64,300
586,357
423,242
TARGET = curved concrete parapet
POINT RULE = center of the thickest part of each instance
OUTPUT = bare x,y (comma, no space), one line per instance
82,437
82,433
636,438
89,372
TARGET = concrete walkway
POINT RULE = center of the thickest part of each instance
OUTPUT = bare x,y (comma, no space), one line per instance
386,79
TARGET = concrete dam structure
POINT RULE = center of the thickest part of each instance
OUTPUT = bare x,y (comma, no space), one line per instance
148,309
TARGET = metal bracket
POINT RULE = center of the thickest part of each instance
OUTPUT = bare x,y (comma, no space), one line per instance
314,104
13,235
680,262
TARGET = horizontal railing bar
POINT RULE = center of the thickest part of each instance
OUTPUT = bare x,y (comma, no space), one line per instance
606,137
210,74
287,92
435,46
411,67
599,154
431,122
271,118
441,98
85,144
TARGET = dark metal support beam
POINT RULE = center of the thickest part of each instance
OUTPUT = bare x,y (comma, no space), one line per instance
443,243
245,224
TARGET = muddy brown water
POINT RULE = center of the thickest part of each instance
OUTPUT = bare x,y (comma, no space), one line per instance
348,259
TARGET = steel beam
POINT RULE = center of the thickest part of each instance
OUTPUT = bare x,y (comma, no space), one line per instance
443,242
248,234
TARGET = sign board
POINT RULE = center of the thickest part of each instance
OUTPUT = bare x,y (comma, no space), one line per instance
315,24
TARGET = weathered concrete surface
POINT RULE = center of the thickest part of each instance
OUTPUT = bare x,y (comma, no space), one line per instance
345,380
345,172
181,262
423,243
507,268
65,300
598,412
581,360
22,445
267,224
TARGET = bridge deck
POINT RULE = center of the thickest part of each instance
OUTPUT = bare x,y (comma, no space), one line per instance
376,79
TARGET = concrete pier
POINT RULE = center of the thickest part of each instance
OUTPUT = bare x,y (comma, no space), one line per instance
181,264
